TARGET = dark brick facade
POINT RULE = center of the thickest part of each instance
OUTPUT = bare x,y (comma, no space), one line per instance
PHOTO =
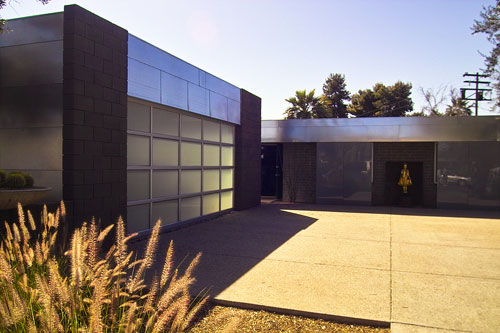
299,172
247,155
384,152
95,111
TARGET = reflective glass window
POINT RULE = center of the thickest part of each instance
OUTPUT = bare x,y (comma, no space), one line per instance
227,133
165,122
191,127
227,156
211,131
138,185
138,117
210,203
190,181
210,180
165,183
226,178
226,200
165,152
190,154
210,155
167,211
190,208
137,150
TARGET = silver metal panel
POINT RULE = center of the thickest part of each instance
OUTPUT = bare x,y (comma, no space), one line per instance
218,106
329,173
19,66
35,29
233,111
198,99
343,173
357,157
468,175
387,129
203,78
484,187
222,87
174,91
143,81
31,106
155,57
31,148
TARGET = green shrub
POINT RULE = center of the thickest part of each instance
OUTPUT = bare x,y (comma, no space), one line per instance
15,180
88,290
3,175
30,181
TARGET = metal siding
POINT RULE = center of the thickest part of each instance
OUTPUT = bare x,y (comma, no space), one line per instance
20,67
388,129
182,85
198,99
218,106
36,29
31,98
143,81
233,111
174,91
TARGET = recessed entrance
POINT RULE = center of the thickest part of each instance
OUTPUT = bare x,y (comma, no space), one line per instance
394,195
271,161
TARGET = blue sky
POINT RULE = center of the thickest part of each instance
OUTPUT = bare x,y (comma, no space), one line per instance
274,47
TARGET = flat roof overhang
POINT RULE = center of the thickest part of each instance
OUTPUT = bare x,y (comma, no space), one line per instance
382,129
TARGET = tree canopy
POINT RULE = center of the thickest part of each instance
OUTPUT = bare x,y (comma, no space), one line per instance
382,101
489,24
458,106
334,96
305,106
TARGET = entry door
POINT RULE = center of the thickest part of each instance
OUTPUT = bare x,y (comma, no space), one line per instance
271,175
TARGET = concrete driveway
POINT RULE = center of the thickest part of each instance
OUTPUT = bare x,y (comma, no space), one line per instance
413,269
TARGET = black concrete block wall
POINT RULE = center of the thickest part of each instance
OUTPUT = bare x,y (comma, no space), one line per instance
401,152
95,110
299,172
247,155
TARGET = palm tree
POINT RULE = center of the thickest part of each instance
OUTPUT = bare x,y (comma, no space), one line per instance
305,106
458,106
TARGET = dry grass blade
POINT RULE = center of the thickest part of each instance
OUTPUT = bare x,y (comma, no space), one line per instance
167,266
36,295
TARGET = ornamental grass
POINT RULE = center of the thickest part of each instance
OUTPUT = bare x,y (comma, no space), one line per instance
88,289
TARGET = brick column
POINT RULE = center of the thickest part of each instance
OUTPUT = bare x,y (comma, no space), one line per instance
299,172
95,111
247,156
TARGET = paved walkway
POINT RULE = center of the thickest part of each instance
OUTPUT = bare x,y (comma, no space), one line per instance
415,269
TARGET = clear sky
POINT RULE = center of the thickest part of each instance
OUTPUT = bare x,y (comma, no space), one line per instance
274,47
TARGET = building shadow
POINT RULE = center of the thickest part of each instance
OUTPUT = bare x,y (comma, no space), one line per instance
231,245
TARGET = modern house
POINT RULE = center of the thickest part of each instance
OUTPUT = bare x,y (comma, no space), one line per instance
116,126
454,162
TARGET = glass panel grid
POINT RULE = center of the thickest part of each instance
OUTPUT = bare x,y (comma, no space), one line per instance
196,155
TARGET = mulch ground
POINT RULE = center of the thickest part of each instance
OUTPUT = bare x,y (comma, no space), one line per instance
229,319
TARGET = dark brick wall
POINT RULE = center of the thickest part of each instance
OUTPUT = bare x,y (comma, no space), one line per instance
299,172
403,152
247,155
95,111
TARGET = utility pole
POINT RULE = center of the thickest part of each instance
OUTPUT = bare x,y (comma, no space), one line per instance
479,92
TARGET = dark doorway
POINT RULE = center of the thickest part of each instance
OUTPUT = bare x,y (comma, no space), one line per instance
394,195
271,179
